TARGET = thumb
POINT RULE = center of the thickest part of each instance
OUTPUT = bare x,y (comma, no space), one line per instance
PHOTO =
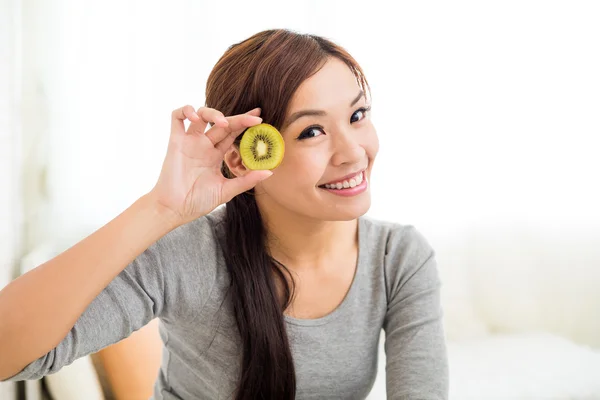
235,186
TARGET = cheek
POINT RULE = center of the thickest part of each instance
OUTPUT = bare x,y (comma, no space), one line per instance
307,165
303,167
371,143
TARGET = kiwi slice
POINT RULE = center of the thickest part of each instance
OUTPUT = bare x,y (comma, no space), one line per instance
262,147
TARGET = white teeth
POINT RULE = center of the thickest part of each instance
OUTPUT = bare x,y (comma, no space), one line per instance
350,183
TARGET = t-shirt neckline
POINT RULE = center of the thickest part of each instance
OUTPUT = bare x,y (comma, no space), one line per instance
347,301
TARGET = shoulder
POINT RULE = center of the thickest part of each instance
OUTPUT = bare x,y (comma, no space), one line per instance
191,260
403,249
196,240
199,232
398,239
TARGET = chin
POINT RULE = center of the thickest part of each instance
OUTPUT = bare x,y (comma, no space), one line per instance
350,211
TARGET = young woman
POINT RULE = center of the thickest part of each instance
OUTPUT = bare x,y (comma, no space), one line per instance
279,294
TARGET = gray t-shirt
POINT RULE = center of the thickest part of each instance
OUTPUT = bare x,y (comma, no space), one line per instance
182,279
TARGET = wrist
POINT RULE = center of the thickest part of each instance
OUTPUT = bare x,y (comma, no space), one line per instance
166,217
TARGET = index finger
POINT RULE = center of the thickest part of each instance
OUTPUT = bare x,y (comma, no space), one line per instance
179,115
207,115
237,124
242,121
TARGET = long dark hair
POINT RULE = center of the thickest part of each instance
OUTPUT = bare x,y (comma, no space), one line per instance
263,71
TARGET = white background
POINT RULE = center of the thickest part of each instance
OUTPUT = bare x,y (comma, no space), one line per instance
488,113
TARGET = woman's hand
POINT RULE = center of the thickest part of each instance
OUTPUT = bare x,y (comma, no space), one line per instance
191,183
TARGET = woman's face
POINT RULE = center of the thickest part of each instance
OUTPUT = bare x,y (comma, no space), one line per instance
329,140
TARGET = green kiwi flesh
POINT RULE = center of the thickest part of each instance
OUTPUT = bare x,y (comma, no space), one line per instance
262,147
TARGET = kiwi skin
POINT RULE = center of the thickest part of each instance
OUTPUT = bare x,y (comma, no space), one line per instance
248,141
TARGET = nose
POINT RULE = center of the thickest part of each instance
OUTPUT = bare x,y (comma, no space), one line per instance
347,149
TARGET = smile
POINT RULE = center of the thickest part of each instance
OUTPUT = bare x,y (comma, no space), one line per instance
347,187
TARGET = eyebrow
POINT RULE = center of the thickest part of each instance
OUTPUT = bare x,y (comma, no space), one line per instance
318,113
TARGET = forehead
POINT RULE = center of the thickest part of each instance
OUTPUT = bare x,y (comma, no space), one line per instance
334,85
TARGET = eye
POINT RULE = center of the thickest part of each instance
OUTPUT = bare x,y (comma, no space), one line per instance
362,112
310,132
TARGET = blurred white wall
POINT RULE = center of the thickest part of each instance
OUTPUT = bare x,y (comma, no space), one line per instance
10,193
487,113
10,143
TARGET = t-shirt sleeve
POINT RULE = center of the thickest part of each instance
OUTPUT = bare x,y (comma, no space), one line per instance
167,281
415,346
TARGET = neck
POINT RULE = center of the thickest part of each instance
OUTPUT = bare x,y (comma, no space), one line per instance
303,242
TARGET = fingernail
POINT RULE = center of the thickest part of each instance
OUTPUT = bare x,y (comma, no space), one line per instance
267,174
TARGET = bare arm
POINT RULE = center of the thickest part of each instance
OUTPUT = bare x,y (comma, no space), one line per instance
69,282
40,310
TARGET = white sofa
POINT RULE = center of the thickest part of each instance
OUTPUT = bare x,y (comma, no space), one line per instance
522,316
522,311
